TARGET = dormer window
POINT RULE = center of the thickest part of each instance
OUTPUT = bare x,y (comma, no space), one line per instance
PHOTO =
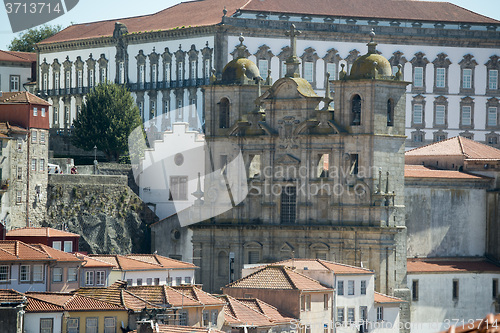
356,110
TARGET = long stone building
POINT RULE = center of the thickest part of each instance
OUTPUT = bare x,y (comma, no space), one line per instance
450,54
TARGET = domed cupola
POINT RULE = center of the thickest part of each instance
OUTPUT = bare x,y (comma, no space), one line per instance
371,65
240,70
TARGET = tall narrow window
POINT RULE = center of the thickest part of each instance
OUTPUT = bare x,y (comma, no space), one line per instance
493,79
363,287
417,114
492,116
178,187
142,76
103,75
45,81
308,71
79,81
340,288
68,81
440,77
288,204
224,113
121,72
192,74
56,80
154,75
340,315
350,287
494,289
166,76
91,78
356,110
180,75
14,82
455,290
390,112
73,325
207,68
263,68
418,77
466,115
467,78
331,68
440,114
354,167
380,313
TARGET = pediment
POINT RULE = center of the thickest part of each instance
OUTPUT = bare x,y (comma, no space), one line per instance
288,159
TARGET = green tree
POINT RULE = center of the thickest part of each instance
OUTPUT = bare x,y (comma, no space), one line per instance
27,40
107,118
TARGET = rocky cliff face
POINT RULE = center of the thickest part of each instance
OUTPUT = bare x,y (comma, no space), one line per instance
107,214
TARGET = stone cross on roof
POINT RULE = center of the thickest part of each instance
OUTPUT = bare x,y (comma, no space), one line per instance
292,63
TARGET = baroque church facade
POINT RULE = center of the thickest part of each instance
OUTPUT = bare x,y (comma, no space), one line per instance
448,53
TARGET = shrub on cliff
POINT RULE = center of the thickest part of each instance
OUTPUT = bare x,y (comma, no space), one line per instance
107,118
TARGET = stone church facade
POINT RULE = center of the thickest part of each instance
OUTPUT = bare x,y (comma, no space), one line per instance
449,53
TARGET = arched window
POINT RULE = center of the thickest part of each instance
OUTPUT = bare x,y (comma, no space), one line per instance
224,113
390,112
356,110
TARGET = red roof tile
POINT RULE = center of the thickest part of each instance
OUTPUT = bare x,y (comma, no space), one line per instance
6,129
450,265
11,296
266,309
47,302
239,313
22,97
420,171
125,263
184,329
17,250
13,56
40,232
277,277
318,264
457,146
161,260
57,254
384,299
209,12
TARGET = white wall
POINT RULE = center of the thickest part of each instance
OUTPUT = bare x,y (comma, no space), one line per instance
7,71
163,275
32,321
435,307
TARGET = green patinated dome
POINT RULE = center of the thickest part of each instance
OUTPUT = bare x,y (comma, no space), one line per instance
240,71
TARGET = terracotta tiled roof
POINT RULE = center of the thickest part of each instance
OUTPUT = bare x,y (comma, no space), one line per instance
40,232
420,171
11,296
125,263
486,325
209,12
17,250
14,56
6,129
22,97
266,309
239,313
184,329
457,146
381,9
450,265
318,264
161,260
117,296
56,254
68,302
185,14
198,294
40,305
277,277
384,299
90,262
176,296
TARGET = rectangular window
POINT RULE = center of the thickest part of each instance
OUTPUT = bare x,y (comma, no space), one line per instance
56,81
19,196
91,78
55,117
417,114
350,315
91,325
142,75
467,78
187,280
193,70
493,79
363,287
308,71
157,281
466,115
215,315
414,290
35,112
68,246
206,318
178,281
103,75
79,81
149,281
308,302
331,68
43,112
34,136
495,288
440,77
326,301
350,287
180,75
139,282
4,273
418,77
14,82
493,140
263,68
33,164
340,288
492,116
121,72
89,278
45,81
38,273
340,315
183,318
19,145
288,204
440,114
46,325
154,74
24,274
129,282
380,313
57,245
57,273
455,290
72,274
68,80
19,173
207,68
100,278
253,257
166,77
42,165
109,324
178,187
42,137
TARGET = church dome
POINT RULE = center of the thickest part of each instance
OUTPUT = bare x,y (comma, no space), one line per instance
240,71
371,65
